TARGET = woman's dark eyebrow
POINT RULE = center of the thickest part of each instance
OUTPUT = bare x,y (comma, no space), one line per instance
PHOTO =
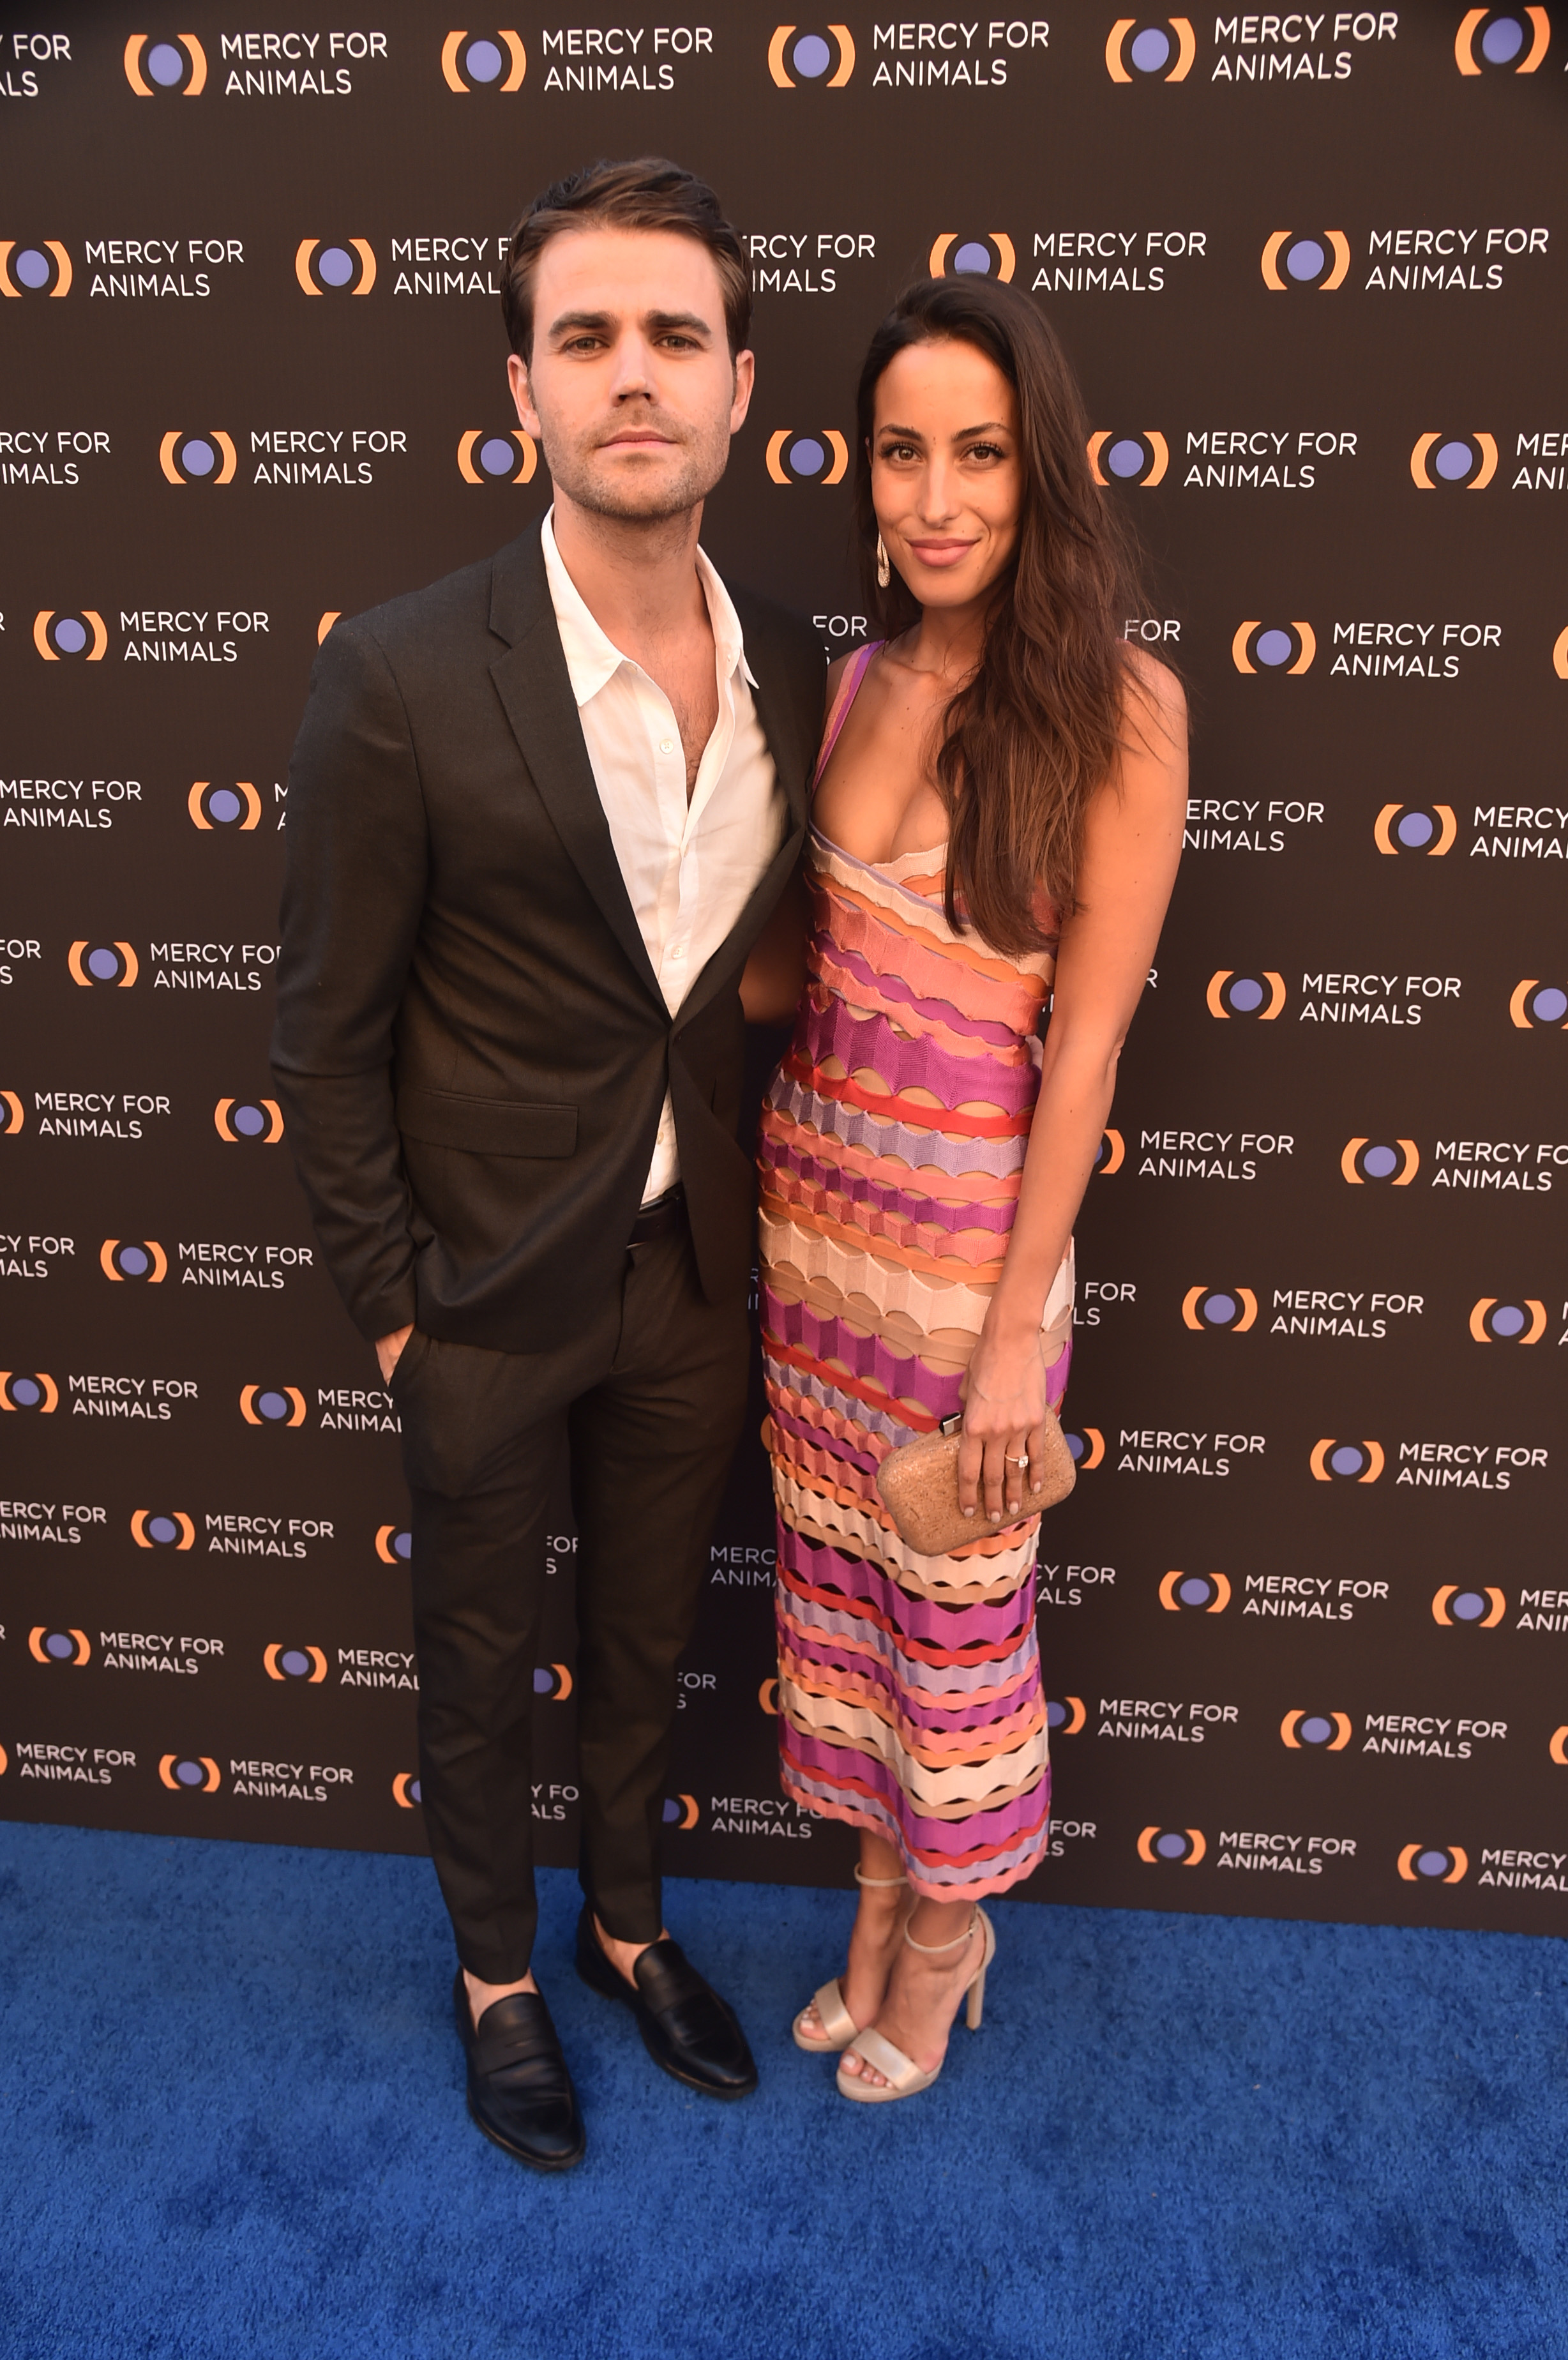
912,434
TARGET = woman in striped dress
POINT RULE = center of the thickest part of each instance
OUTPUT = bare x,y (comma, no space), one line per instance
997,818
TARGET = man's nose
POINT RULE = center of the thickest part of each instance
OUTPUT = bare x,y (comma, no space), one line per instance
633,372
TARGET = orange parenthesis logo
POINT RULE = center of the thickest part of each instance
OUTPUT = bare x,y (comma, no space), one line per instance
1222,976
1555,1744
210,1784
1076,1717
400,1786
1421,474
51,1390
1303,632
1369,1474
1517,1012
252,1416
1338,244
1533,1334
1456,1853
1217,1604
225,473
176,1517
1470,24
362,246
1194,1837
1244,1295
1337,1744
469,473
1115,1154
40,1633
1186,48
455,81
767,1696
242,787
155,1277
195,53
786,79
690,1813
1443,1598
73,961
318,1664
1155,441
943,245
1390,812
231,1137
46,615
15,1113
831,436
1401,1179
63,273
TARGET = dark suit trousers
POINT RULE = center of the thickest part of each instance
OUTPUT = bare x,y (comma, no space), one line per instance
647,1395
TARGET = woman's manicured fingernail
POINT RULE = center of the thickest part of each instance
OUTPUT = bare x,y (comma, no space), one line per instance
969,1512
995,1516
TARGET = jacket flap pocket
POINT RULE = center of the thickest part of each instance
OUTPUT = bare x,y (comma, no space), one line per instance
486,1126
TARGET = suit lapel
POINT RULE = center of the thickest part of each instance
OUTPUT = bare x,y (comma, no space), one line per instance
535,690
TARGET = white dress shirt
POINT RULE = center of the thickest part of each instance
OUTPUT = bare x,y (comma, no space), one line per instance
690,867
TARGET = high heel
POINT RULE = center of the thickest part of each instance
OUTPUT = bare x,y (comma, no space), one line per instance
838,2026
902,2078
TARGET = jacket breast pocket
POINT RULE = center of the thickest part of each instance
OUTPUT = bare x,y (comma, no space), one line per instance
486,1126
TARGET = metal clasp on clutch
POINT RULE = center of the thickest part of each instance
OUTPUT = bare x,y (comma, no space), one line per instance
953,1424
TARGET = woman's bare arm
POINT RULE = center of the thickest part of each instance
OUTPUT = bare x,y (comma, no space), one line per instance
1132,841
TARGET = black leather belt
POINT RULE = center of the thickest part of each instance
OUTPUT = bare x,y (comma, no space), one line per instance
657,1219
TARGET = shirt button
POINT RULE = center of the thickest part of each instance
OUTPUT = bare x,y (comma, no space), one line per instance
667,745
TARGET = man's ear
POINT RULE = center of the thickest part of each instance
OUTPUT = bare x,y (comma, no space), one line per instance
745,379
522,394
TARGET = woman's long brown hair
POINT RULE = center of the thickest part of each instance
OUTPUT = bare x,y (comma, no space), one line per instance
1028,739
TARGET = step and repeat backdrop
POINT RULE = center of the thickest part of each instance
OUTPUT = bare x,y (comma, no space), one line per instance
1305,1619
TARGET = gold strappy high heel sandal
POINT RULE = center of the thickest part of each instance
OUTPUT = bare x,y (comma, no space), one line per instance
902,2078
838,2026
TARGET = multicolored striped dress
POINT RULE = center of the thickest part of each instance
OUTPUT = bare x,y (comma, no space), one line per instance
893,1141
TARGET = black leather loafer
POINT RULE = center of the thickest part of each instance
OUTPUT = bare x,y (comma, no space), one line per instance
686,2027
519,2092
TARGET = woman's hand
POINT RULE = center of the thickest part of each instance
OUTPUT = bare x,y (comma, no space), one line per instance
1001,1461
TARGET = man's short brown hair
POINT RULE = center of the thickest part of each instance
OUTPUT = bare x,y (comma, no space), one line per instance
647,194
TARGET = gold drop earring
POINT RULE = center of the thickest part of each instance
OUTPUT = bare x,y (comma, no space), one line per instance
883,571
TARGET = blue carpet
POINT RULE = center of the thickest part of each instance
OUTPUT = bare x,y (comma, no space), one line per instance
231,2125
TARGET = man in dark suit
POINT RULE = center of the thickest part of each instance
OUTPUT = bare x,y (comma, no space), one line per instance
539,816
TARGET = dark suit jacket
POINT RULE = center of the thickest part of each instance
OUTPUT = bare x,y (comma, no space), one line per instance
472,1048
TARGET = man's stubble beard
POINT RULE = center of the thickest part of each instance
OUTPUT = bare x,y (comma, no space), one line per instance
627,501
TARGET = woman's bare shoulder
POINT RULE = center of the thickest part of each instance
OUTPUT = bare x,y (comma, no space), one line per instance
1155,686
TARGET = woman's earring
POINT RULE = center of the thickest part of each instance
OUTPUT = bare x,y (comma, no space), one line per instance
883,571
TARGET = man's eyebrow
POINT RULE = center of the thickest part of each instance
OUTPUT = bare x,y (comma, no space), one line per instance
661,322
658,323
572,323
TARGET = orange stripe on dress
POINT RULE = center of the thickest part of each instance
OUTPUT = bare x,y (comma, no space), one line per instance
849,1092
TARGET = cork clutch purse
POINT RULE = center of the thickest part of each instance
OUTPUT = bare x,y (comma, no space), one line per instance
919,1486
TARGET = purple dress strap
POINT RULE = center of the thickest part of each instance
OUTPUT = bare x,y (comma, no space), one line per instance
848,688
